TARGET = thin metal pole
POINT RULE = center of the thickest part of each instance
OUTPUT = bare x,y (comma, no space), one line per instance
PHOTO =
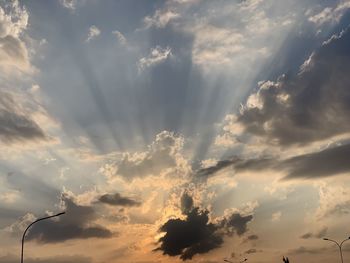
25,231
339,246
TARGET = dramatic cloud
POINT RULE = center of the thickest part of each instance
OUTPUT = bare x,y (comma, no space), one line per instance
186,203
15,122
220,165
13,50
118,200
306,107
76,223
328,162
195,234
163,154
236,223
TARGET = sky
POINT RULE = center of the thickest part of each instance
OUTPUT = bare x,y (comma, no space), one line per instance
174,130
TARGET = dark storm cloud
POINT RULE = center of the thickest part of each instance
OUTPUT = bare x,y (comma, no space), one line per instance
59,259
238,165
220,165
328,162
237,223
320,234
196,234
14,124
118,200
186,203
309,106
76,223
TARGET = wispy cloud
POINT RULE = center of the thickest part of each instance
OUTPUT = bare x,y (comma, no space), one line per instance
93,33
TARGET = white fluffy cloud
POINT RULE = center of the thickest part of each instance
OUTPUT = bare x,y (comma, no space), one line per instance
160,18
93,33
162,156
331,14
156,56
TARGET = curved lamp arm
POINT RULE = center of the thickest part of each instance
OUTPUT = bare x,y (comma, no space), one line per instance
25,231
344,241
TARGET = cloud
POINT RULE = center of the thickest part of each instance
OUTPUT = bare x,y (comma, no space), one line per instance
13,50
252,251
118,200
93,33
320,234
10,196
160,19
307,107
252,237
220,165
308,250
328,162
162,155
16,123
121,38
331,15
334,201
157,56
276,216
78,222
237,223
186,203
58,259
195,234
70,4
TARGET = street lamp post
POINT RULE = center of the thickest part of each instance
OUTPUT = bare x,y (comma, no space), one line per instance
25,231
339,246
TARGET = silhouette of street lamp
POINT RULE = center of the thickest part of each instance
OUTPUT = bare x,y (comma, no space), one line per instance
341,252
226,260
25,231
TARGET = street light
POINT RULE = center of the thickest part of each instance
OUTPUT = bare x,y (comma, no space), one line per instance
341,253
25,231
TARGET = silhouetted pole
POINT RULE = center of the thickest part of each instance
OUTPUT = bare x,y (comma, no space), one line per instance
25,231
341,252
